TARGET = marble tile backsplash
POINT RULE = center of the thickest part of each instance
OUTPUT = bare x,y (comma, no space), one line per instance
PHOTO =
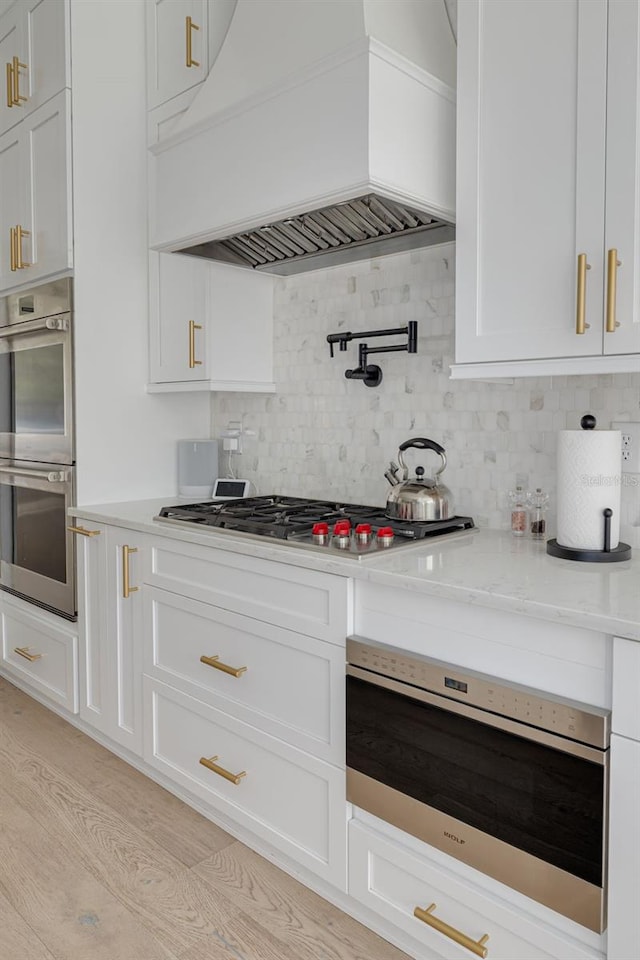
322,435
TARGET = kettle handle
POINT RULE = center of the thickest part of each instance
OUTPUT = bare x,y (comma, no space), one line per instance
422,444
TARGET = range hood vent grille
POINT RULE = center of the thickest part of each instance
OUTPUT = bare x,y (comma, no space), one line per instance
334,234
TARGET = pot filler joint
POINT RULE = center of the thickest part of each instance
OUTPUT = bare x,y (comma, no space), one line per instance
370,373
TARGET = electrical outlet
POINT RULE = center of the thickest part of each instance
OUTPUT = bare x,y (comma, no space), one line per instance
630,445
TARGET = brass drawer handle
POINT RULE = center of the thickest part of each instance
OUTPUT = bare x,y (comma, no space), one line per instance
190,26
127,589
612,275
581,298
475,946
17,96
9,85
234,778
215,662
83,532
20,234
24,652
12,241
193,326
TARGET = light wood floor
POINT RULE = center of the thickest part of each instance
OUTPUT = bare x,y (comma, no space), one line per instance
99,863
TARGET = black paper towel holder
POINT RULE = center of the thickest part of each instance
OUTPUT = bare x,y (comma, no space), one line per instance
606,555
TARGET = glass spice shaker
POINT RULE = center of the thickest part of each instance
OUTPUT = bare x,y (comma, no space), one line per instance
537,509
518,499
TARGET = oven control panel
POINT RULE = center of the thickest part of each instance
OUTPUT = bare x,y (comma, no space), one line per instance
558,715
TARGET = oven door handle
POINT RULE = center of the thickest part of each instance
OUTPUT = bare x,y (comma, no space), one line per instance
52,476
57,323
524,730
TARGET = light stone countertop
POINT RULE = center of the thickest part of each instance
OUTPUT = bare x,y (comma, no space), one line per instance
489,568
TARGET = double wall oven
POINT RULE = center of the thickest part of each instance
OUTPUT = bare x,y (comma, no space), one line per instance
512,781
37,453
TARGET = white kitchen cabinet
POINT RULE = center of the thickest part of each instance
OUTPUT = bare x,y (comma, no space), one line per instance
35,195
39,651
624,849
548,168
285,683
393,881
177,47
211,326
285,796
34,57
110,613
184,38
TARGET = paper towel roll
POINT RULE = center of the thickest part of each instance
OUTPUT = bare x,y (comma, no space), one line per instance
589,479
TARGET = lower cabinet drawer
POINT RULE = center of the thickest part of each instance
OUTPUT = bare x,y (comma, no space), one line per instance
285,683
392,881
41,654
292,800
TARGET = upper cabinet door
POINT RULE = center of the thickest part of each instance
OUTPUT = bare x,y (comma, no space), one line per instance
178,312
622,226
531,155
34,57
177,47
48,68
11,205
46,134
12,51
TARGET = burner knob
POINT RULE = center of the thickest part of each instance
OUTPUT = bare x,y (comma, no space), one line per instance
385,536
363,534
320,533
342,534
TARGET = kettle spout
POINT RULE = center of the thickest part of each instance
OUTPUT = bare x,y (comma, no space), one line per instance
391,474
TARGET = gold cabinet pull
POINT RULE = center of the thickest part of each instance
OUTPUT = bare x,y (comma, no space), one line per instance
12,242
127,589
83,532
17,96
234,778
20,234
24,652
9,85
581,299
612,275
192,344
216,663
475,946
190,26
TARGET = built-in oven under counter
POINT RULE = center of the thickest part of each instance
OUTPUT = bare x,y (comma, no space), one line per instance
37,550
509,780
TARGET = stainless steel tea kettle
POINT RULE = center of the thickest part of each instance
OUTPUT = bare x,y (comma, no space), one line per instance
422,498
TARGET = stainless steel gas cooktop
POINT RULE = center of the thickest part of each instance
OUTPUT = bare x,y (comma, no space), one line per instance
325,526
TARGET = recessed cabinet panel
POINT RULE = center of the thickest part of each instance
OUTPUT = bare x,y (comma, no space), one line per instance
39,652
211,326
11,45
530,179
622,228
11,206
47,51
47,140
178,317
177,44
392,882
288,798
287,684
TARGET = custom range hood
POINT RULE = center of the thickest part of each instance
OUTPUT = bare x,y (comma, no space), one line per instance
324,133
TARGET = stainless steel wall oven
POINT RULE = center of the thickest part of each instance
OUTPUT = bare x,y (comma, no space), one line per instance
37,454
512,781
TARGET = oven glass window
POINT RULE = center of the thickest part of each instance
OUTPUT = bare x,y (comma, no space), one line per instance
38,378
33,531
543,801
